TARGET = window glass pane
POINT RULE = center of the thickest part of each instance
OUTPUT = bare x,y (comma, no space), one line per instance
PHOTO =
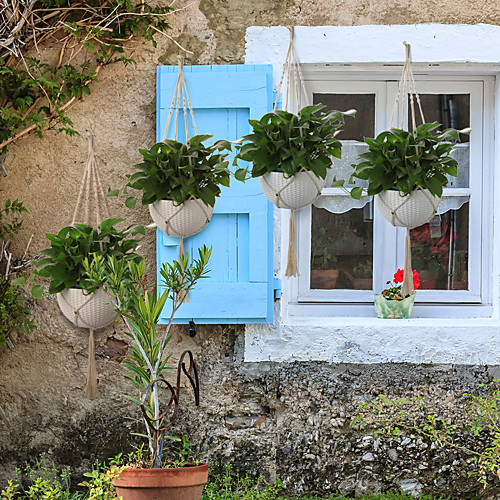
353,131
342,249
363,125
440,251
452,111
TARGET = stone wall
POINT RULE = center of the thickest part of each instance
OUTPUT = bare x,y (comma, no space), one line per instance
291,419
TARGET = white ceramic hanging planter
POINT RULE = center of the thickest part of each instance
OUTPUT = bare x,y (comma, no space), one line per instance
293,193
181,220
409,211
87,311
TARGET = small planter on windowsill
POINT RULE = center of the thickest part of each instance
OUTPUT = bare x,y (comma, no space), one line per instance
394,309
391,304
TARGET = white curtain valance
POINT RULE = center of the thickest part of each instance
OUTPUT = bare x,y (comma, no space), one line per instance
340,204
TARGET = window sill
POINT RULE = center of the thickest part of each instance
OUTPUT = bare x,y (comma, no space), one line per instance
369,340
312,313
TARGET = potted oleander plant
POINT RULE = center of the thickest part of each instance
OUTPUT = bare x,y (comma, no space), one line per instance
406,172
180,183
291,153
84,304
154,475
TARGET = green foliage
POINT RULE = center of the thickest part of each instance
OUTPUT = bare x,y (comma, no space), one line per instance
407,160
35,94
15,314
179,171
283,140
230,486
14,307
63,261
100,480
42,481
10,224
140,309
394,417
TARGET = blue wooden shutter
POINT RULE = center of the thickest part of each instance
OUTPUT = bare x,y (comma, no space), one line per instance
240,286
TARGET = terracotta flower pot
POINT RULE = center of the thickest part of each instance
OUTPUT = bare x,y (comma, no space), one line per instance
324,279
362,283
183,483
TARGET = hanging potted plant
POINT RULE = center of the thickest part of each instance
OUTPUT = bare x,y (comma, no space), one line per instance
392,303
180,183
291,154
80,301
154,476
406,171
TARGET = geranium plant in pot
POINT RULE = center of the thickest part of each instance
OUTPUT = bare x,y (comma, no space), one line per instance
180,183
83,303
392,303
146,361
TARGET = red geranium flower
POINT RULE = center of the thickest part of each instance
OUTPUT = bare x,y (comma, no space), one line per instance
416,280
399,276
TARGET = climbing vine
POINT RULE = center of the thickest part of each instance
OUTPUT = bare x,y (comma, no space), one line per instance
51,52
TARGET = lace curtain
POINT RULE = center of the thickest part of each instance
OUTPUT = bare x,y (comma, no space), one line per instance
341,203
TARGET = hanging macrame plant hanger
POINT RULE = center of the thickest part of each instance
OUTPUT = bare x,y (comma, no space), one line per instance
87,305
398,214
181,95
295,87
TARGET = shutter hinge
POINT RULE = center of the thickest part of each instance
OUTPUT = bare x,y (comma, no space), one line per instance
277,288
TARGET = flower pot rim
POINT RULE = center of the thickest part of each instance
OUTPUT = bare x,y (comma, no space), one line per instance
174,477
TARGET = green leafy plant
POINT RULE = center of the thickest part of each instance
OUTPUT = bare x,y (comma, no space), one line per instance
15,314
63,261
393,290
406,160
41,481
283,140
322,251
37,92
100,479
181,171
10,223
232,486
398,416
140,309
364,269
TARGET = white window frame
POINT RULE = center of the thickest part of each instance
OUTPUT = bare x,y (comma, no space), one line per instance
388,245
316,332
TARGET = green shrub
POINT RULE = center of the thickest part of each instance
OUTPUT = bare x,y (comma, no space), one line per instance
42,481
15,314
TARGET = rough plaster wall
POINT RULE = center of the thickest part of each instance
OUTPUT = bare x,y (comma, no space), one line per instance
263,417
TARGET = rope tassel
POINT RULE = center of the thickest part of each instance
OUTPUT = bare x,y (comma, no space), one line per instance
292,268
91,388
407,287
